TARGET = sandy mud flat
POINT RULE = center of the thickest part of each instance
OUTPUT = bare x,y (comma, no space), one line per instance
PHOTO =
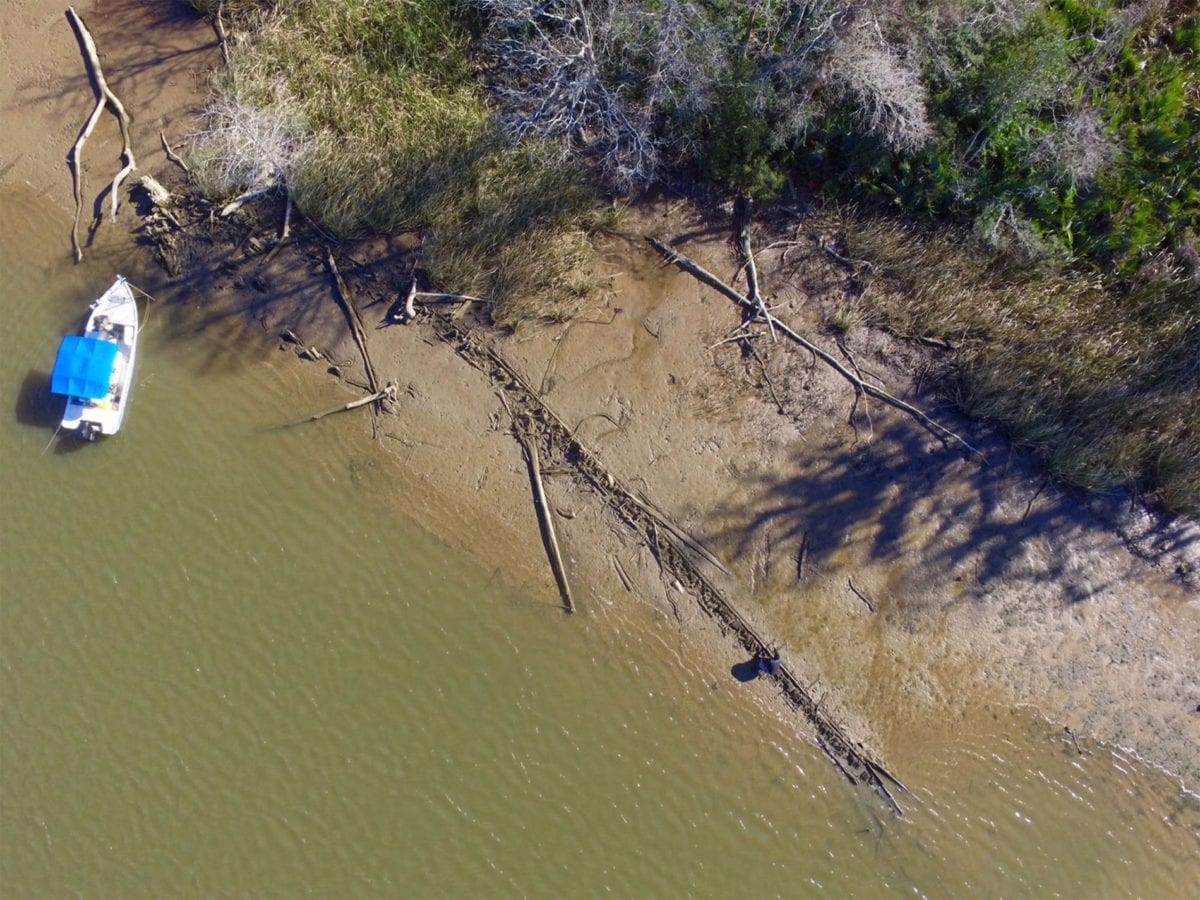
909,581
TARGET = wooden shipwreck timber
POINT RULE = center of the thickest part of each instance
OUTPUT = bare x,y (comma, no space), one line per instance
539,427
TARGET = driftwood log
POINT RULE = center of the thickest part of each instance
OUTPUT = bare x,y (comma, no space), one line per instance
104,98
388,393
859,384
546,519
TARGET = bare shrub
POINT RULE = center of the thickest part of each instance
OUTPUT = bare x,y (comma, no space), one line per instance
248,148
595,78
883,88
1078,148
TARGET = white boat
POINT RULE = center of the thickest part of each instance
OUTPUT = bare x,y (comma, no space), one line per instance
95,370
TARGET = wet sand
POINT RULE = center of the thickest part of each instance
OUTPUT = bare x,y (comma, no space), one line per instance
990,588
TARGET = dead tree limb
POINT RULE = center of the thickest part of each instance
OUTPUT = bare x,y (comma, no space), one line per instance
753,296
104,97
623,575
388,393
242,199
677,532
352,319
219,29
712,281
861,596
171,154
546,520
439,297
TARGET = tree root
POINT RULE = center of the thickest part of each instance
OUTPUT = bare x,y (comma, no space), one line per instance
171,155
859,384
104,97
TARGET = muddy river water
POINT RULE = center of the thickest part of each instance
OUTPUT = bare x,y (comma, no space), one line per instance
230,665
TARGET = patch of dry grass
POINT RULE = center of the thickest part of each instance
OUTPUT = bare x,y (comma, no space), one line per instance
1101,381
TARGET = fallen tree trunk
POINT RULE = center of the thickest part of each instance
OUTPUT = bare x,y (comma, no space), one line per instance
546,521
352,319
859,384
388,393
104,97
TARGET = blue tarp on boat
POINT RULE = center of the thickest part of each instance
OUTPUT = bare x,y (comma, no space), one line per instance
83,367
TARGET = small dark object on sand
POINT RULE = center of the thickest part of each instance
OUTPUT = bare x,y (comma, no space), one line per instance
770,665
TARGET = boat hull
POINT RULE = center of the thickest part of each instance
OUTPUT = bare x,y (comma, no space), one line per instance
113,318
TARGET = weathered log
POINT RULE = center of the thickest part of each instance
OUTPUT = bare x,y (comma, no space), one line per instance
104,97
388,393
546,520
712,281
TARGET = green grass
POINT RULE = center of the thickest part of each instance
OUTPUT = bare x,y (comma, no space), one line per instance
397,137
1101,381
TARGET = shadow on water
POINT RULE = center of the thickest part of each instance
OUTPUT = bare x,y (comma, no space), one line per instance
36,406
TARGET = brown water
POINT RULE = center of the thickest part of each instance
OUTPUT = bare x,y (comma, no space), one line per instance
229,665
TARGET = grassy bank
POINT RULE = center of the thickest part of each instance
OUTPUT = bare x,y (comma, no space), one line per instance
368,115
1059,138
1100,379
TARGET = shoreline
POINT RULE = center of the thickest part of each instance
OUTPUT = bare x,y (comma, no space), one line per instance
690,433
988,588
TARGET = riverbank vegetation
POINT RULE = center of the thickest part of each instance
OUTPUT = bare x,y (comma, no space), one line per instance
1026,172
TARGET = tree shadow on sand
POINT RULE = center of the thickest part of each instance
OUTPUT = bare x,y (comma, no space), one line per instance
927,506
